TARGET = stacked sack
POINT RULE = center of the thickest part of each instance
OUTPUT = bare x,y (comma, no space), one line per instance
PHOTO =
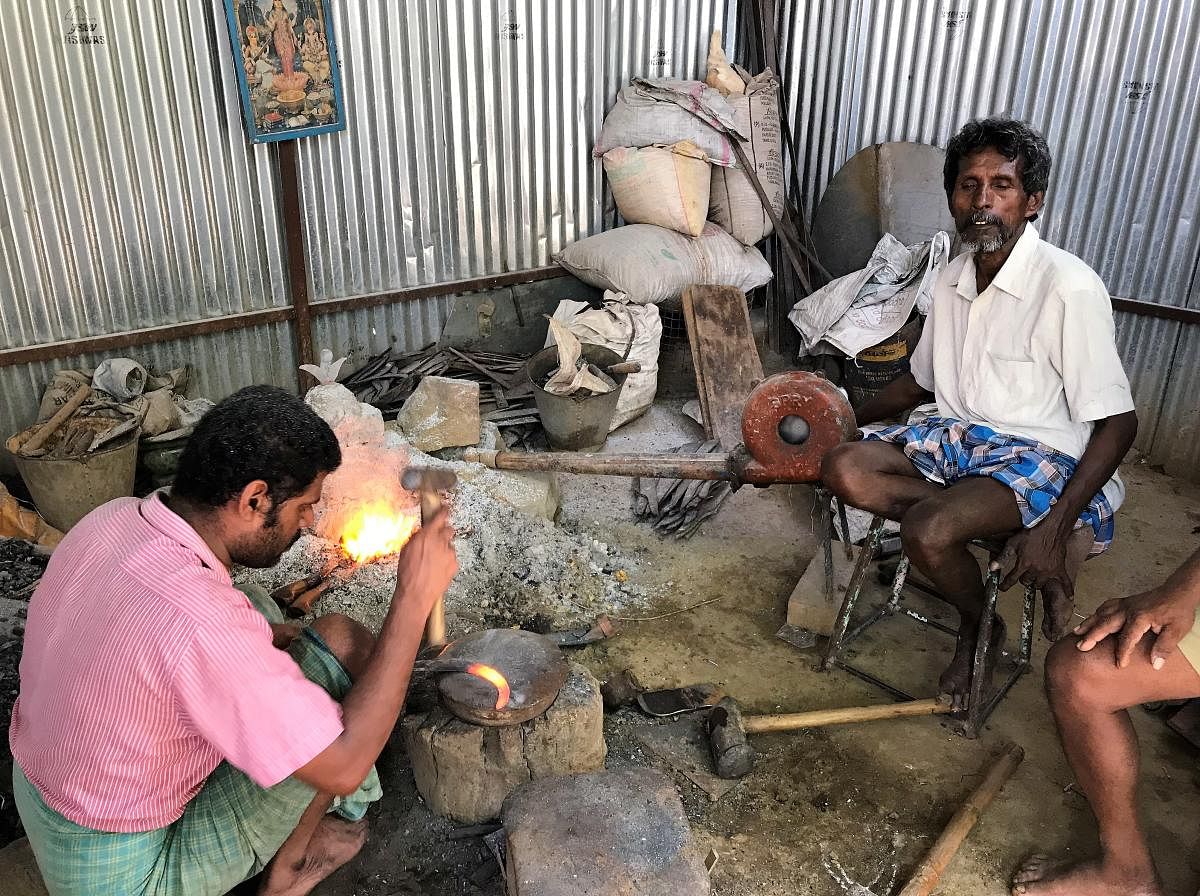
670,152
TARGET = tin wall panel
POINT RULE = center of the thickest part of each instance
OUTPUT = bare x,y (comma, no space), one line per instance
1177,442
1111,83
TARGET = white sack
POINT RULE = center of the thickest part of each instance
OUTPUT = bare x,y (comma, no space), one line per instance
650,264
663,185
632,331
665,111
733,202
864,308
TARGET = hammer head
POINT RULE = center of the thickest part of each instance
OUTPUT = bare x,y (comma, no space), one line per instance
428,479
732,754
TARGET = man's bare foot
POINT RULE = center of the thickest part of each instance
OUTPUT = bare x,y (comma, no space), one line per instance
1057,611
1042,876
334,843
955,682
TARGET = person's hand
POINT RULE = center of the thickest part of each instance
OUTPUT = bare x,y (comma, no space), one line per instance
1034,557
284,633
427,564
1169,614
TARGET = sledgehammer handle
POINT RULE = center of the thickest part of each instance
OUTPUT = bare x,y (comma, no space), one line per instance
435,625
819,717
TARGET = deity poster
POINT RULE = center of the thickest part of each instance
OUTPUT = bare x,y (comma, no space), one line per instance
287,68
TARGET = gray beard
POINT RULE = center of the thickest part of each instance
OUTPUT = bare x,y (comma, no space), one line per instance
990,244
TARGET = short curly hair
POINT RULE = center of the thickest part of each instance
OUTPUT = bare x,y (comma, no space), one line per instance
259,432
1015,140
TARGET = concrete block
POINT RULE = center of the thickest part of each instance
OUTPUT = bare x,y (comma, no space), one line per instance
534,494
441,413
607,833
465,771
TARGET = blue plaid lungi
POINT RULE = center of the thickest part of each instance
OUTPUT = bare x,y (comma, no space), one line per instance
945,450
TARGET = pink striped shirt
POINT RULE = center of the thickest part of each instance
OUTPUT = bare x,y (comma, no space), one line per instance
144,667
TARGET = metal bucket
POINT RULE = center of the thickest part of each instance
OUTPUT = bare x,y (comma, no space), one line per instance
67,489
575,422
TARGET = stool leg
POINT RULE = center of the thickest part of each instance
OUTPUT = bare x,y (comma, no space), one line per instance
1027,621
983,644
853,592
898,581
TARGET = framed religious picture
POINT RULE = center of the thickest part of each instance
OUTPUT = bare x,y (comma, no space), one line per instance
287,68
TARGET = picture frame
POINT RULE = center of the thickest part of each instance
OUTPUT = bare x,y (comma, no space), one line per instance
287,68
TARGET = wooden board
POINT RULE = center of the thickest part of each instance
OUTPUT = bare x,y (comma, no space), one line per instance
726,359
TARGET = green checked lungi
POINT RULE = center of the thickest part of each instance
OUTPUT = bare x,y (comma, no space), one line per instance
228,832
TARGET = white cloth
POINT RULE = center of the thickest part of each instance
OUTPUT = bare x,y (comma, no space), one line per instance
1034,355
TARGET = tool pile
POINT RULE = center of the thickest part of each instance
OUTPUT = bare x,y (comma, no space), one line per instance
506,396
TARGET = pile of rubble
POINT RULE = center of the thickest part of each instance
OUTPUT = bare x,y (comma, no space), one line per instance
516,565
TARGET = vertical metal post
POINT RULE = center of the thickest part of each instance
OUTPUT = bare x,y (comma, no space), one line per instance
293,230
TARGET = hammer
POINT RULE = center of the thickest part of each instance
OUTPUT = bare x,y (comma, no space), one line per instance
727,727
428,482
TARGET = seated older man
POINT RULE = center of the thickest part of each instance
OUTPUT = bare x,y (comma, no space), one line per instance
1034,411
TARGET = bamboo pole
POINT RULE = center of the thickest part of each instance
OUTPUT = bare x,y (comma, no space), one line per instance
929,872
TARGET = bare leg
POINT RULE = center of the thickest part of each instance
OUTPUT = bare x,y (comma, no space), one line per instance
319,846
1089,696
876,477
322,843
935,533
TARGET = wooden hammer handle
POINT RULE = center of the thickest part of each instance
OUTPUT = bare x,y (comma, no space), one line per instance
47,429
435,624
819,717
929,872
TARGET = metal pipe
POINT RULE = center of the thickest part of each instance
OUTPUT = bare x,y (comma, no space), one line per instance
662,466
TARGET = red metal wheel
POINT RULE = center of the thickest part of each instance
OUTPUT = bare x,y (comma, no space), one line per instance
790,422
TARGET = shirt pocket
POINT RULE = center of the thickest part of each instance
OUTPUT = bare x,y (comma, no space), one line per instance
1007,388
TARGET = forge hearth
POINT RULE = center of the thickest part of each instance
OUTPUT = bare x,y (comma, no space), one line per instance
468,754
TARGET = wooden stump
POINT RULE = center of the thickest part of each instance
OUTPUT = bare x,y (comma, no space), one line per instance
465,771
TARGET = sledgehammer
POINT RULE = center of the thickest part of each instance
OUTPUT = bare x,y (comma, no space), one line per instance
428,482
727,727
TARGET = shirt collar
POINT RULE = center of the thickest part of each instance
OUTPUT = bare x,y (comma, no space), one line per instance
155,512
1013,274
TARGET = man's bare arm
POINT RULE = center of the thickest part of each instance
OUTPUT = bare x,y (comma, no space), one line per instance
900,395
1038,555
373,704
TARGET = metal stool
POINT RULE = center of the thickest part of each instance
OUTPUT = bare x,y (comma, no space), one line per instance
979,706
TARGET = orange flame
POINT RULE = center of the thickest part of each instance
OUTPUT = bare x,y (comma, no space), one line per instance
377,531
487,673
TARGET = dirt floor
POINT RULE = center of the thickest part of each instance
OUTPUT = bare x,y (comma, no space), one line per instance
867,798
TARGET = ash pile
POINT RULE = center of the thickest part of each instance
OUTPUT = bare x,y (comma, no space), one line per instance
517,567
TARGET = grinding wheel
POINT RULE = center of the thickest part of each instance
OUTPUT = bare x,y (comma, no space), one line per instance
790,422
534,667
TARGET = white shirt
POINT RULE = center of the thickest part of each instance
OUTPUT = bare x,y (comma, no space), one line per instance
1033,355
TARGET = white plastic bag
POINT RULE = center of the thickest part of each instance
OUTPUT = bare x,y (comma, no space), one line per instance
650,264
733,202
632,331
663,185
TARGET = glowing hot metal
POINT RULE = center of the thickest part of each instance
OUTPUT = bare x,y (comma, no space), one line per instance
487,673
377,531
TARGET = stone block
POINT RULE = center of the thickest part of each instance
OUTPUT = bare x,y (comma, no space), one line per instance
441,413
607,833
534,494
465,771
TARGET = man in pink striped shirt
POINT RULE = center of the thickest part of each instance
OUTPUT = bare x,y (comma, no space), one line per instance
165,741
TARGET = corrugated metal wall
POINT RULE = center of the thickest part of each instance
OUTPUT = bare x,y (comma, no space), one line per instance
1113,85
132,198
469,147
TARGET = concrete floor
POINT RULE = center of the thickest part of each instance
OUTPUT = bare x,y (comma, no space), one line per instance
870,796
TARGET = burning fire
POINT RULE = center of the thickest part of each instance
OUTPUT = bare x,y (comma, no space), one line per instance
487,673
377,531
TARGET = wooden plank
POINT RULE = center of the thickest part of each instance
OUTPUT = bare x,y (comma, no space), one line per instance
727,363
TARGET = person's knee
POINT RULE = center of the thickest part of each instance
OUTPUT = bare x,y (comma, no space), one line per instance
843,473
350,641
1076,678
928,532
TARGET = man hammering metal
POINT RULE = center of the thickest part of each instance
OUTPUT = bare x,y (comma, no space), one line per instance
168,738
1033,409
